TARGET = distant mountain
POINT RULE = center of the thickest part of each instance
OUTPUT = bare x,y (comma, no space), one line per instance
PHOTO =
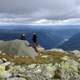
72,44
47,37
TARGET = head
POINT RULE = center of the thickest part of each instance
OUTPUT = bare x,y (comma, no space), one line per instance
34,33
23,34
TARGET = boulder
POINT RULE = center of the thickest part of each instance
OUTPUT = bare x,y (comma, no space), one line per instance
17,47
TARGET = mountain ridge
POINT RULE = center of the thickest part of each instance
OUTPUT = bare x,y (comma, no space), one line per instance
73,43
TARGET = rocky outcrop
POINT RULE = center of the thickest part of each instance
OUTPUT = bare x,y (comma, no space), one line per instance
54,64
67,69
17,47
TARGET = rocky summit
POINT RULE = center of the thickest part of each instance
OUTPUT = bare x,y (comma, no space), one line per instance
17,62
66,69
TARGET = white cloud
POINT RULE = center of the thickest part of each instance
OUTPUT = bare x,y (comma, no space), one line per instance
28,21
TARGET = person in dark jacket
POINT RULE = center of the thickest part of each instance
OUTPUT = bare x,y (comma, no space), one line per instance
34,38
34,41
23,36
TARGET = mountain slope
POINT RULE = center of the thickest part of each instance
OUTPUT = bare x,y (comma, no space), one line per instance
72,44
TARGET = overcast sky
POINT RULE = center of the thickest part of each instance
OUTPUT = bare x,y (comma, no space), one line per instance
52,9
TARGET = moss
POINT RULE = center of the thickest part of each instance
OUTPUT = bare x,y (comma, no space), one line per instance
1,78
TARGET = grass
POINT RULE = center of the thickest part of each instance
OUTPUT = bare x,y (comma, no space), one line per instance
50,57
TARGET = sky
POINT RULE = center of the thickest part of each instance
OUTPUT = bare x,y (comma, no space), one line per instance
41,9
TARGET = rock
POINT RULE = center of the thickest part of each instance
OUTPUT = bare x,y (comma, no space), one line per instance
56,50
58,74
17,47
6,64
50,70
38,71
44,56
70,65
0,52
65,58
5,74
40,49
4,60
2,69
1,61
16,78
76,52
32,66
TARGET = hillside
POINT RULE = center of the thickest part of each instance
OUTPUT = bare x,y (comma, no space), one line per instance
57,64
17,63
72,44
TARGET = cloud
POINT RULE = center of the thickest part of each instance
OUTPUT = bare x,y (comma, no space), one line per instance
73,21
38,9
28,21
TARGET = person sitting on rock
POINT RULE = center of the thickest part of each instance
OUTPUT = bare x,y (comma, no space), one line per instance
23,36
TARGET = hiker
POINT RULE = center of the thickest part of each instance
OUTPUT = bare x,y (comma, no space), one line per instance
34,38
34,41
23,36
